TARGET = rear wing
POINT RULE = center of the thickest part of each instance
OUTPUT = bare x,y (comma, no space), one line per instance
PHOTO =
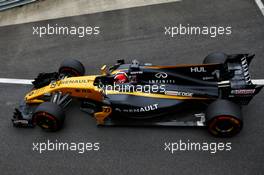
240,87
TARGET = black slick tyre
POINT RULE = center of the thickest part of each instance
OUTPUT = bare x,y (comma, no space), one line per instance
72,68
215,58
49,116
223,118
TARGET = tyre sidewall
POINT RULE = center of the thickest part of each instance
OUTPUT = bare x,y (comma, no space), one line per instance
215,58
50,111
74,67
224,111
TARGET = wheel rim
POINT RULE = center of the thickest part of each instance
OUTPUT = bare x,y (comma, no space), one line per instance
46,121
225,125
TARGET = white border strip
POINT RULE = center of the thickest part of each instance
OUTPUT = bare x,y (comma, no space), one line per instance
15,81
260,5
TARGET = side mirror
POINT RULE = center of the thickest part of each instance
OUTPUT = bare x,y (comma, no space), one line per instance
104,70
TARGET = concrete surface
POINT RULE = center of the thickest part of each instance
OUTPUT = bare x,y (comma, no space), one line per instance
51,9
131,33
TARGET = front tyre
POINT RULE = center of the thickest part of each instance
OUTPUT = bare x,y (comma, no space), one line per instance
223,118
49,116
72,68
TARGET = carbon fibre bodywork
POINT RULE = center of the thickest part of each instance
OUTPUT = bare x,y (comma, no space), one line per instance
181,89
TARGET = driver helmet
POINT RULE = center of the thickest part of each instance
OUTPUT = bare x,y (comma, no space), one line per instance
121,77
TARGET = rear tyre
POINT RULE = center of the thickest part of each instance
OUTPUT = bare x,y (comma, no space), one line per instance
224,118
72,68
215,58
49,116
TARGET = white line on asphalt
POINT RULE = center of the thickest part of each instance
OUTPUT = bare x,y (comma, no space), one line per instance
15,81
260,5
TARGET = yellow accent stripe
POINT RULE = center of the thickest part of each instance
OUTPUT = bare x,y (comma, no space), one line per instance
177,66
119,70
34,101
154,95
166,67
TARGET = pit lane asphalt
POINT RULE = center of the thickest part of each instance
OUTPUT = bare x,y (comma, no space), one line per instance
131,33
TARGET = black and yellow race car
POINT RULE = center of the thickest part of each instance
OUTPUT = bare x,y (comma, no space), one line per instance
209,94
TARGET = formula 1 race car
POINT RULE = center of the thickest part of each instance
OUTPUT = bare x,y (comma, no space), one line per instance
208,94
